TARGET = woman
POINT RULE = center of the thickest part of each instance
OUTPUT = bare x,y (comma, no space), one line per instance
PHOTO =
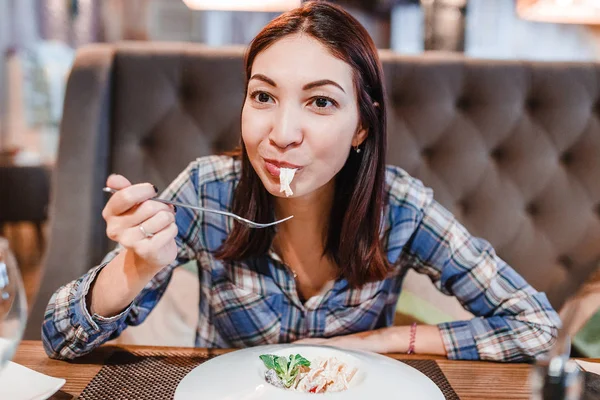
332,274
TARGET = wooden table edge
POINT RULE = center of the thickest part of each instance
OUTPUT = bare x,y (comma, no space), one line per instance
470,379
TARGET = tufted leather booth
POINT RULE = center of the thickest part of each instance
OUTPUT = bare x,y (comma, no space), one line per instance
511,148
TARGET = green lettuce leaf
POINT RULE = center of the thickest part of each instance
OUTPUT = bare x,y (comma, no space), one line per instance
269,361
287,369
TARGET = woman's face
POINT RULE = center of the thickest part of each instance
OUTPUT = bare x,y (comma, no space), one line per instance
300,111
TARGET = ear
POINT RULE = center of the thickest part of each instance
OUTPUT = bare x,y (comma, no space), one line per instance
359,137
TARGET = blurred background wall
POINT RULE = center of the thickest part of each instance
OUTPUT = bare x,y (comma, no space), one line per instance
38,39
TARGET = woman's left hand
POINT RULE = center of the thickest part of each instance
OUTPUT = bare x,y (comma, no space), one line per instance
394,339
314,341
378,341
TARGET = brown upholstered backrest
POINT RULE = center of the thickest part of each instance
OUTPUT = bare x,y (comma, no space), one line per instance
511,148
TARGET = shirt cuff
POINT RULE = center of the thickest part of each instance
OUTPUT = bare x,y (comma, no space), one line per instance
459,340
94,324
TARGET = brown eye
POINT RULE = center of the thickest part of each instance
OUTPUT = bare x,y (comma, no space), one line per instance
263,97
321,102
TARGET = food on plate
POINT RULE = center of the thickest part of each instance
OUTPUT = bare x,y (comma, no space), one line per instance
322,375
285,178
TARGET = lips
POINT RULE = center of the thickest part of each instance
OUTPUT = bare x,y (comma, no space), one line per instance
274,166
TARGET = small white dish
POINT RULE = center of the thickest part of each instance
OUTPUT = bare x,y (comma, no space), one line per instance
21,383
588,366
239,375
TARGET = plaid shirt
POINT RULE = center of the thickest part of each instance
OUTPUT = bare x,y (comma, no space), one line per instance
255,302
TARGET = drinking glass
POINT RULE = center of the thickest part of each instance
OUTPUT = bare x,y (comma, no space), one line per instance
13,305
555,376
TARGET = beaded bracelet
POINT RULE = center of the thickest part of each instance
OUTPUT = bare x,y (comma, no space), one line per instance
413,336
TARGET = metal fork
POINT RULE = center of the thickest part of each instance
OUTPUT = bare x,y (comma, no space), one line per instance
245,221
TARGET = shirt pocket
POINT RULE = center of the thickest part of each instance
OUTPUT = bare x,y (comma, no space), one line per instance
243,314
355,310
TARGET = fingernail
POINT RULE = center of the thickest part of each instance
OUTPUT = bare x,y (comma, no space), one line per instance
155,188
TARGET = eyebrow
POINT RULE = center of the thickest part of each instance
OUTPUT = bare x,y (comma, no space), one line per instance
322,82
263,78
308,86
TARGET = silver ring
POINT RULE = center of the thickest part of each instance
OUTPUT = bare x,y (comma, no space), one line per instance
146,234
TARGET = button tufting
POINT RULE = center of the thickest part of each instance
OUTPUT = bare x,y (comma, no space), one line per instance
497,154
565,261
427,152
185,93
532,209
532,104
566,158
146,141
463,103
464,206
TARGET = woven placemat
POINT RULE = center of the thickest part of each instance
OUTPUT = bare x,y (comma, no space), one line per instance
433,372
130,376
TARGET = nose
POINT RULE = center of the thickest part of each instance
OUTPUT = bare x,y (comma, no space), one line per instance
286,129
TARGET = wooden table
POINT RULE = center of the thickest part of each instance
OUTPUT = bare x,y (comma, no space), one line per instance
470,379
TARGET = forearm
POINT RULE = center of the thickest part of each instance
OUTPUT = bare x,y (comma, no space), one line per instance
71,330
68,330
513,322
428,339
117,284
395,339
498,338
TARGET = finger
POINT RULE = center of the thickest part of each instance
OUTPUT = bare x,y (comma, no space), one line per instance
311,341
151,226
149,248
141,213
129,197
118,226
117,182
166,236
158,222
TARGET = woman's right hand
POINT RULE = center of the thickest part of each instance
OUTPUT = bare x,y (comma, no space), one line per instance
130,215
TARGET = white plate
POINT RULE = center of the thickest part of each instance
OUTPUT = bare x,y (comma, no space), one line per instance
239,376
21,383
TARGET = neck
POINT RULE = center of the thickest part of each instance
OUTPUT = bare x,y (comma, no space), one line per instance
311,214
301,240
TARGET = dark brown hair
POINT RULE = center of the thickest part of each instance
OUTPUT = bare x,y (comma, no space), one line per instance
353,230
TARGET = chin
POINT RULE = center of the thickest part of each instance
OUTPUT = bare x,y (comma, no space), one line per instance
273,189
272,186
275,192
